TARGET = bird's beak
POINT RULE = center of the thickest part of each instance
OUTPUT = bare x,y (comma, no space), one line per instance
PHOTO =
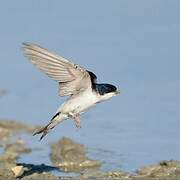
118,92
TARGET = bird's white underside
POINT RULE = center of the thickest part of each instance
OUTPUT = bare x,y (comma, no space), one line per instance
83,102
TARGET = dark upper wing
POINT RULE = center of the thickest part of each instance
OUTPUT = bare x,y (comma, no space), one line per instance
93,77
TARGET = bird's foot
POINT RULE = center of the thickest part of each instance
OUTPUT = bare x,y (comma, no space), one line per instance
76,118
77,121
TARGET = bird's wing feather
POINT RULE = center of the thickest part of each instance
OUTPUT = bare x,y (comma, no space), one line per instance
71,77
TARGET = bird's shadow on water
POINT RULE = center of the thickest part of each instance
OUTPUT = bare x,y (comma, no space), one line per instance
32,168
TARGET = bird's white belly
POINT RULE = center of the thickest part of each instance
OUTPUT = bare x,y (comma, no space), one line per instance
80,103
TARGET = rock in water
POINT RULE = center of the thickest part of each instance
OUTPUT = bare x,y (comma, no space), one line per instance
18,171
71,156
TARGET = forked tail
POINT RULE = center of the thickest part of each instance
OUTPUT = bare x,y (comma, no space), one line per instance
58,117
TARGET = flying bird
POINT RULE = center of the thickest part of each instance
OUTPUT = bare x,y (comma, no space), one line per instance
74,81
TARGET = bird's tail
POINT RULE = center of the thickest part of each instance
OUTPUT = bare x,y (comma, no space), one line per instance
57,118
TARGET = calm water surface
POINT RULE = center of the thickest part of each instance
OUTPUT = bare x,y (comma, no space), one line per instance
132,44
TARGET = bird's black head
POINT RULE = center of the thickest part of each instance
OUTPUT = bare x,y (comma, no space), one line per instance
103,89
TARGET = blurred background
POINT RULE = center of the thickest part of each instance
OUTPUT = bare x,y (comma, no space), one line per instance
132,44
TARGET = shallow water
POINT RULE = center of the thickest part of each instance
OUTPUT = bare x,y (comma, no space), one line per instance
134,45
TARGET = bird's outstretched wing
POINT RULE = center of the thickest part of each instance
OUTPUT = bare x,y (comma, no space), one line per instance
71,77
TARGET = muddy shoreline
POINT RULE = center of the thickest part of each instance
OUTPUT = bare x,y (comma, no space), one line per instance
66,156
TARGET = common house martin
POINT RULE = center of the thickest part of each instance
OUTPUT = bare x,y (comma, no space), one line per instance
74,81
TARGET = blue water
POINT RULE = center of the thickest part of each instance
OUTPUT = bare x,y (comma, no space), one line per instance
132,44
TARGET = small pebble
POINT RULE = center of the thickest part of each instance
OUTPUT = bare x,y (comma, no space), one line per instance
18,171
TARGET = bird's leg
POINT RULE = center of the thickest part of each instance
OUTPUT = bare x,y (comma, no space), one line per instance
77,121
76,118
